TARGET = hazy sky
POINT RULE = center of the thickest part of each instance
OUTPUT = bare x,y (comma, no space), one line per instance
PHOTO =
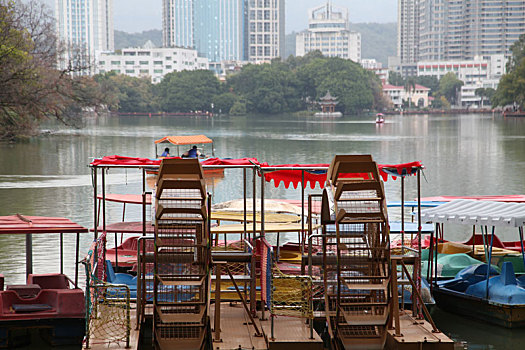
138,15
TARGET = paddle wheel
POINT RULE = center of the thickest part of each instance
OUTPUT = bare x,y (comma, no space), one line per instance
182,256
356,255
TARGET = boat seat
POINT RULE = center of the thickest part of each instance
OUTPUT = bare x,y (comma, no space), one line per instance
49,280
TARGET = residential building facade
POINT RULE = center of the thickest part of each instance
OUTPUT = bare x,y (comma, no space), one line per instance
215,28
329,32
177,23
417,95
476,73
408,31
464,29
150,61
264,34
86,25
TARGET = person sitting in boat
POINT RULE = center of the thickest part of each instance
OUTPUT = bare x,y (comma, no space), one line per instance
166,152
192,153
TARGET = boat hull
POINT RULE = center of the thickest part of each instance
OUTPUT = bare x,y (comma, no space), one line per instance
509,316
55,331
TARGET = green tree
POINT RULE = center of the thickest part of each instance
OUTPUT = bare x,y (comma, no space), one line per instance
345,79
511,87
396,79
32,88
449,87
224,102
188,91
127,94
430,82
268,88
518,53
484,94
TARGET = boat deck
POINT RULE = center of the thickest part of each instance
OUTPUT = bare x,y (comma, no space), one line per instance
417,334
237,332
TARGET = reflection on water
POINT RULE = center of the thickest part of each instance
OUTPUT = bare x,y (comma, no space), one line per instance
463,155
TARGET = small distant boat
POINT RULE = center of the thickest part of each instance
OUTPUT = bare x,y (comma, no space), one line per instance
187,140
380,118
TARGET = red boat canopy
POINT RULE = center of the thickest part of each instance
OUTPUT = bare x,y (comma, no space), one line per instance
121,160
18,224
319,176
185,140
286,176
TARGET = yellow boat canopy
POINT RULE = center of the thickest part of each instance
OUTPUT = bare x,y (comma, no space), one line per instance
185,140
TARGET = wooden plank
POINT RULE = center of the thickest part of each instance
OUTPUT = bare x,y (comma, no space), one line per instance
291,333
417,334
181,317
236,332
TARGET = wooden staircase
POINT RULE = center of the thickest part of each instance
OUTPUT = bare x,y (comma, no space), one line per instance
182,256
356,286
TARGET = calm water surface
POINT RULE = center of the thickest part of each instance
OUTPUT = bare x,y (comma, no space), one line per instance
463,154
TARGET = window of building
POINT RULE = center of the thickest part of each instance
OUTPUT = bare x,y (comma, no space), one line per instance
115,63
143,63
168,67
102,62
157,62
130,71
130,62
144,71
158,71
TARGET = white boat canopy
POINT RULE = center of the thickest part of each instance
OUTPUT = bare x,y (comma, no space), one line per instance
473,212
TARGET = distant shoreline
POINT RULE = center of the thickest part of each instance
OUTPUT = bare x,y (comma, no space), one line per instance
445,111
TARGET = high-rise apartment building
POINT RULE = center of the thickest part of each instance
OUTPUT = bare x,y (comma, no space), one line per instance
85,24
464,29
265,30
177,23
408,31
329,32
219,28
214,28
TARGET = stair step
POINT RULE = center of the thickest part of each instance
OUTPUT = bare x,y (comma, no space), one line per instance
194,318
367,286
364,320
180,282
364,304
199,212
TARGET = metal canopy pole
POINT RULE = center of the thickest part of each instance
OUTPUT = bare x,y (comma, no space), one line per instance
301,240
244,198
29,254
254,203
94,175
403,216
490,258
262,204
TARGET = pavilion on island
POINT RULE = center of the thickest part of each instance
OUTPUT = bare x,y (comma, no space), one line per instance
328,103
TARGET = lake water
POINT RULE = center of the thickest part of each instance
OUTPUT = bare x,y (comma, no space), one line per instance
463,155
